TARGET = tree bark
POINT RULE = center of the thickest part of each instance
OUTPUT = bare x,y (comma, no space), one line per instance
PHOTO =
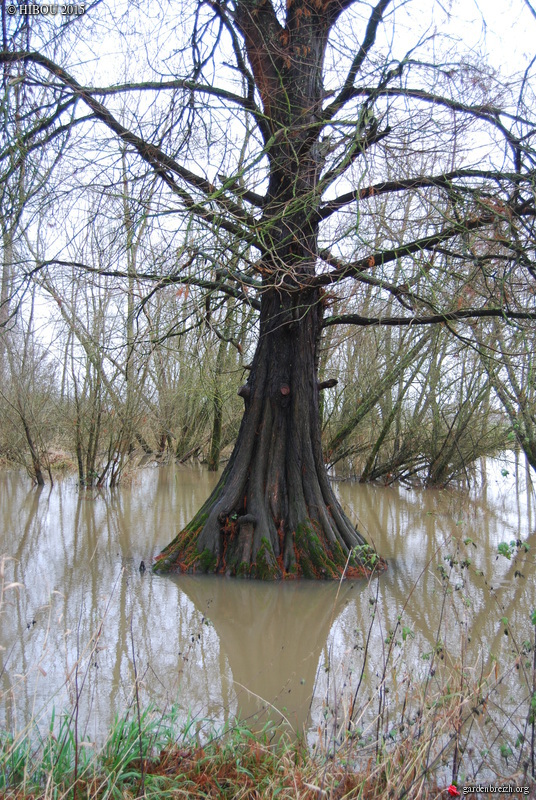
273,513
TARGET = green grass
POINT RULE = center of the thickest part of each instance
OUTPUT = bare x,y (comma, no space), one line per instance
158,756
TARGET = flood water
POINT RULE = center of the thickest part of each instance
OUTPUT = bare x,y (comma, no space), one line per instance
220,648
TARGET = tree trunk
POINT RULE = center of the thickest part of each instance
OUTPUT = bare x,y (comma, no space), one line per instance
273,513
218,397
5,290
215,441
36,462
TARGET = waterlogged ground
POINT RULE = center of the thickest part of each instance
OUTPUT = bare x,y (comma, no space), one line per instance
452,610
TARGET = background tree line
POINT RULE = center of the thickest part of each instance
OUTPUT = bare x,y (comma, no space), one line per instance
93,374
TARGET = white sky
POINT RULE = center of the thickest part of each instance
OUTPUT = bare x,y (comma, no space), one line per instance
505,30
509,35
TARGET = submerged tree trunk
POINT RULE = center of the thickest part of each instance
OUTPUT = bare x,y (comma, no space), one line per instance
273,513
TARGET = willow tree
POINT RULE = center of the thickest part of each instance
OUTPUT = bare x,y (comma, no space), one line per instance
321,122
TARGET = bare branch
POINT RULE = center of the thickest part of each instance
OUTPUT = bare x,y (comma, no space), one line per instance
431,319
347,90
441,181
162,281
151,154
353,269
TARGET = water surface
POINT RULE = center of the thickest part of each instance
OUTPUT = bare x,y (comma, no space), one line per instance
221,648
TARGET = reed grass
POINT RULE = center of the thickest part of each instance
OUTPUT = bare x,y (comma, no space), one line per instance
234,763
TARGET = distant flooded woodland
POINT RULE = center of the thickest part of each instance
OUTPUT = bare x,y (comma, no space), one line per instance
459,585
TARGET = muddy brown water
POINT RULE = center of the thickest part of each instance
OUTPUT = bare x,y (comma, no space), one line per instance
218,648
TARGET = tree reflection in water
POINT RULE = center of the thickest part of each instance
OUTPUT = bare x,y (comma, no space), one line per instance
224,647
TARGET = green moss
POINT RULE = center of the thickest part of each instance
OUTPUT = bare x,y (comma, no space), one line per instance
312,558
265,564
197,524
181,554
207,560
183,549
243,570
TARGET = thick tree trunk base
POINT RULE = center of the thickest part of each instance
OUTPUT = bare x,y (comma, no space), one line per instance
273,513
309,557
